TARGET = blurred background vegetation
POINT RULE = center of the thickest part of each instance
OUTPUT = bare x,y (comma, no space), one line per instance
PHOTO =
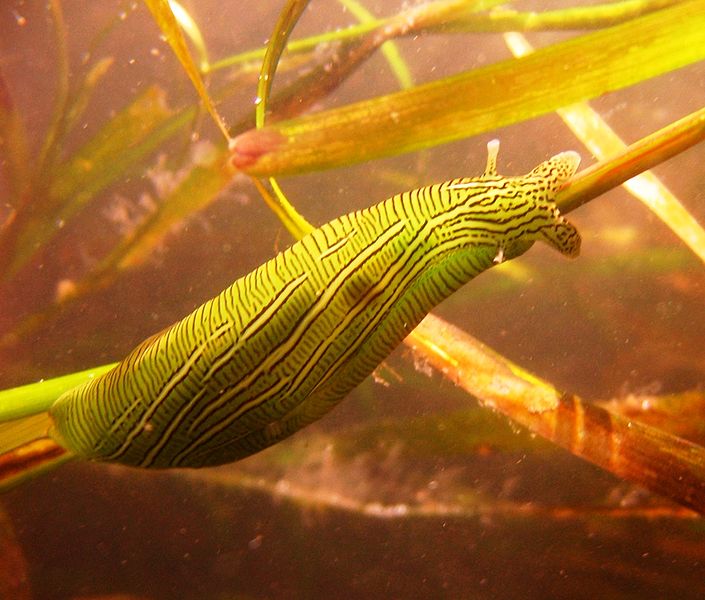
121,213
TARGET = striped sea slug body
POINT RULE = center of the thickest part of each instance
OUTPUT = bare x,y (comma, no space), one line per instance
286,342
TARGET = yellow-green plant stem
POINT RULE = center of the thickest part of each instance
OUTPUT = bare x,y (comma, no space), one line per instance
29,399
636,158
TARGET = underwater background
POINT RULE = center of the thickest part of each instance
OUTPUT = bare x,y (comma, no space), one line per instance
410,488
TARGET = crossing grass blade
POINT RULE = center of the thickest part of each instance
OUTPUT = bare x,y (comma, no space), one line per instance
602,141
634,159
169,26
118,145
655,459
480,100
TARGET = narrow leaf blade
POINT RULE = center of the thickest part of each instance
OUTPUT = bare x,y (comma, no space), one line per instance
481,100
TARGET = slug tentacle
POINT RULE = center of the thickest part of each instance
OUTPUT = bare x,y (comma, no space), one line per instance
492,152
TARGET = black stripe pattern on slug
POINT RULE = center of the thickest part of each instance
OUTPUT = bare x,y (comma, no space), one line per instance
282,345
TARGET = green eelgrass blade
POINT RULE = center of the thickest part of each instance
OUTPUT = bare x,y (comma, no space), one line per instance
465,16
479,100
26,400
636,158
294,222
191,29
286,22
169,26
389,49
571,18
14,146
124,140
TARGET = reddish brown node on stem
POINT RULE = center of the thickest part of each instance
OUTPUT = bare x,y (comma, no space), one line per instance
247,148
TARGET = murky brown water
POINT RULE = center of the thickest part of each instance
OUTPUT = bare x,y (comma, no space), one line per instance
407,490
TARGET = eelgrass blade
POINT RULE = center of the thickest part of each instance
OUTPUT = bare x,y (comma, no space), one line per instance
279,204
27,462
389,49
15,147
602,142
122,142
78,100
659,461
292,220
503,19
286,22
636,158
49,153
481,100
465,16
191,29
31,398
169,27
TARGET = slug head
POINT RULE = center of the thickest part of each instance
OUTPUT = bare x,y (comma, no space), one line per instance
551,176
